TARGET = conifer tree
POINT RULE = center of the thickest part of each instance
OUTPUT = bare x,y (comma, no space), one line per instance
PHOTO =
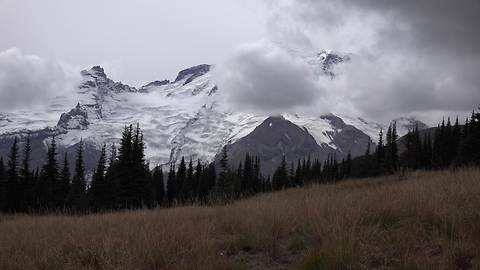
98,189
211,177
472,138
298,174
222,183
257,175
65,181
394,147
427,152
189,185
50,189
380,154
171,185
348,166
181,180
291,174
200,186
159,185
26,181
248,177
139,187
124,169
112,180
240,185
3,185
12,195
366,164
78,188
280,177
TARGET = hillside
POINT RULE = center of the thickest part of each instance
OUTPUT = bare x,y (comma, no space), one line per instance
426,220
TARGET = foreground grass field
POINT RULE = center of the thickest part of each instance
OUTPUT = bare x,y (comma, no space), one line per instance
429,220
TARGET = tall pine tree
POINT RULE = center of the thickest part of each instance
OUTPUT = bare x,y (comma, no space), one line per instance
159,185
12,196
3,185
98,189
77,196
51,195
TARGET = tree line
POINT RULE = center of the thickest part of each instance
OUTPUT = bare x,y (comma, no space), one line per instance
449,145
122,178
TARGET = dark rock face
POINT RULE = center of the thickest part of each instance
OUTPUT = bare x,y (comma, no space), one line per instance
75,119
192,73
96,77
273,139
154,84
329,60
347,138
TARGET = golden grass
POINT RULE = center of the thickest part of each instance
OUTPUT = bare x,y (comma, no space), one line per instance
431,220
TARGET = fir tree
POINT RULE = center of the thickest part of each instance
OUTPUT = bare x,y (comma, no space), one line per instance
189,185
112,179
222,185
280,177
394,147
171,185
98,189
181,180
12,195
248,177
159,185
78,188
65,181
256,175
140,184
427,152
201,186
3,185
348,166
50,188
298,174
210,178
291,174
380,154
26,182
124,169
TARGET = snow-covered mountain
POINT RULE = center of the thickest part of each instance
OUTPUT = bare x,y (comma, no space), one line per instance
182,117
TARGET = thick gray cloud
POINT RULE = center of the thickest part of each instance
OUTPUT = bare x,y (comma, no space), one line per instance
409,57
264,77
27,81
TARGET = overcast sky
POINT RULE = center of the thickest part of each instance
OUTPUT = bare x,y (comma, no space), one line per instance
409,57
137,40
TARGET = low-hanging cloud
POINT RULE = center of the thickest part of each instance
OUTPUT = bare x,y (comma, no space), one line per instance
264,77
409,57
30,81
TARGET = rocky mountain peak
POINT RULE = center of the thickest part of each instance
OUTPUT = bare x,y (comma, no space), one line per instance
274,138
154,84
191,73
95,77
324,61
334,120
95,72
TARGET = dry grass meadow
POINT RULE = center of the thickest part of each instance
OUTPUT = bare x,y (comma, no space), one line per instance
429,220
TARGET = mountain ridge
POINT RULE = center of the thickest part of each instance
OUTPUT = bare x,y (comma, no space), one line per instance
179,118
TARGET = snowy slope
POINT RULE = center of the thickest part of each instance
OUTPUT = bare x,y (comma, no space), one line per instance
179,118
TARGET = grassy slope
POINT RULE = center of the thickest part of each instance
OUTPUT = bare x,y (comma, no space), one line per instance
429,221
